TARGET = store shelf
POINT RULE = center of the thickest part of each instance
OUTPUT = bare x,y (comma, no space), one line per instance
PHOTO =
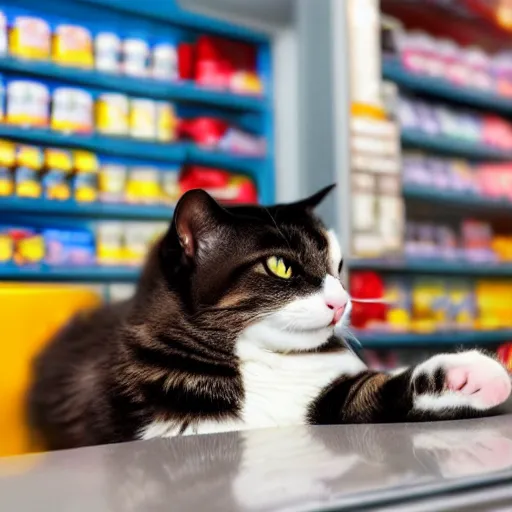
76,274
132,148
456,199
393,70
213,158
129,148
161,90
427,266
90,210
457,338
452,146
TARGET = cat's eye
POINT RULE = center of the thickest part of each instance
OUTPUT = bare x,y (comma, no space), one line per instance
279,267
340,267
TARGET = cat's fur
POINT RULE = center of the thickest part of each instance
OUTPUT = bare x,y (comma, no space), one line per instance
212,342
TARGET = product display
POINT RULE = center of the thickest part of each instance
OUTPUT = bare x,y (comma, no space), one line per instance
423,305
454,122
109,243
465,66
27,103
220,64
216,133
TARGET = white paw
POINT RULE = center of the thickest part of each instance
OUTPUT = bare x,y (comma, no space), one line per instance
468,379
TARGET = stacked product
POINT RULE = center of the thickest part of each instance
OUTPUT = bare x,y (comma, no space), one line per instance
491,180
437,119
60,174
123,243
444,58
425,305
473,242
211,61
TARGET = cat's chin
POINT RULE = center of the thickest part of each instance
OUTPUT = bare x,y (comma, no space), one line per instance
269,337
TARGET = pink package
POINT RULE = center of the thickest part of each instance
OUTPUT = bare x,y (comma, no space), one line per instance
414,51
479,64
455,69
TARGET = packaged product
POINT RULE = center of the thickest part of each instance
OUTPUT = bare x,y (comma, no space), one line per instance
135,57
72,46
72,110
28,103
170,186
28,246
69,247
399,311
27,176
164,61
143,185
109,243
429,305
112,181
166,121
84,182
7,162
56,180
107,49
6,246
112,114
462,305
29,37
136,241
143,118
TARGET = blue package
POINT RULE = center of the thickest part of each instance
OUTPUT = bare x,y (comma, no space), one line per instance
69,247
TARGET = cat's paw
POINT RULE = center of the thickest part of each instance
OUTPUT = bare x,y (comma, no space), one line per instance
464,380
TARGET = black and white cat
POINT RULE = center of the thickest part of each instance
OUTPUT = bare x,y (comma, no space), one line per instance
231,328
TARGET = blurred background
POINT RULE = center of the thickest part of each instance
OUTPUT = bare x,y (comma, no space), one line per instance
110,110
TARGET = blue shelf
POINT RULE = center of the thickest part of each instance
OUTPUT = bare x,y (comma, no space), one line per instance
171,12
130,148
90,210
457,199
135,86
452,146
393,70
213,158
77,274
403,340
425,266
173,153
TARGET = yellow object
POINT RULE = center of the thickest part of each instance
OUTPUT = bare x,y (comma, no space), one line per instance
59,165
85,181
48,308
143,185
30,38
112,114
166,122
72,46
28,180
278,267
430,305
6,248
143,118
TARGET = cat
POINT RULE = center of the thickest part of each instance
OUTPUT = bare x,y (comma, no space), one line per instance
232,327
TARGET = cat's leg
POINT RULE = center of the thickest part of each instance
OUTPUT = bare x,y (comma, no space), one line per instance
446,386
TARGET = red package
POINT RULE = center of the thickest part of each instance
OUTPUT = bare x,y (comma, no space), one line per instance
206,131
367,285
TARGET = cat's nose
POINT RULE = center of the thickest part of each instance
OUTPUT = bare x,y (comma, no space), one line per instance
338,312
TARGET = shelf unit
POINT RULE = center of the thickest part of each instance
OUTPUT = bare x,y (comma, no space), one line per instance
152,20
440,89
379,340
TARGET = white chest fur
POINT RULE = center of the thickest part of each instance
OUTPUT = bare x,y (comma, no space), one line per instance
279,388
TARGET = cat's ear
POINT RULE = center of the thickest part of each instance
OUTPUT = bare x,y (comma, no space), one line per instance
197,220
311,202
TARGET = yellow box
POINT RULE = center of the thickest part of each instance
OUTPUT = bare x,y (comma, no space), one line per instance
30,315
